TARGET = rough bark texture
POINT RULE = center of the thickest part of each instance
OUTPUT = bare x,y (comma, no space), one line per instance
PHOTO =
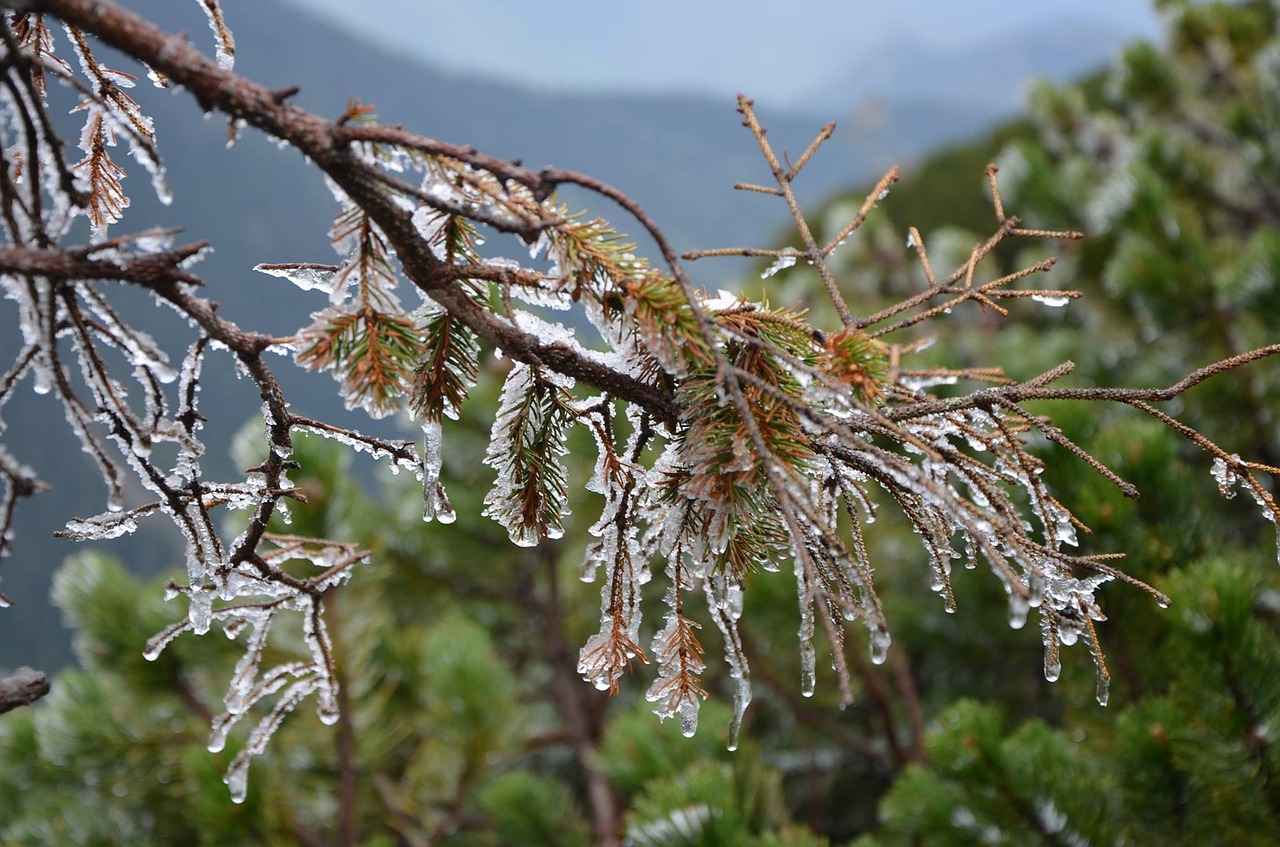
22,688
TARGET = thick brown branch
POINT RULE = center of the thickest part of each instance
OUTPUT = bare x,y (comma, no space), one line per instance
325,143
146,269
22,688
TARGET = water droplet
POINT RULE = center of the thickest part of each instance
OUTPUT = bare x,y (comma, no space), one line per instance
1052,667
880,641
688,718
1018,607
237,781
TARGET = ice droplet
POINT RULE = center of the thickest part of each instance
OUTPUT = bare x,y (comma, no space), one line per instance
328,716
200,611
1225,477
688,718
218,736
237,780
1052,666
1053,302
807,681
780,264
1104,689
879,645
1018,607
42,380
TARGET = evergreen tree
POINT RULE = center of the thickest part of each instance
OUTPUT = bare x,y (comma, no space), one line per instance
1168,164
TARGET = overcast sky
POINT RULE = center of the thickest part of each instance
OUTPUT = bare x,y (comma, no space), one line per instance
718,47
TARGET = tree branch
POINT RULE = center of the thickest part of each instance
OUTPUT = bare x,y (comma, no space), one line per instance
326,144
22,688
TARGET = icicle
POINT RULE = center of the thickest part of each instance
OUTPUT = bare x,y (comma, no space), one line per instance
689,718
1104,688
1052,653
879,645
783,262
218,735
808,661
237,780
1018,608
41,375
200,611
1052,665
724,599
1225,477
436,505
306,276
99,527
401,457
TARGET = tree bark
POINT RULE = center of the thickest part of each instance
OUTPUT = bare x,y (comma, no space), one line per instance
22,688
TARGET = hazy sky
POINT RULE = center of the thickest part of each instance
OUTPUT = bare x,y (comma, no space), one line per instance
718,47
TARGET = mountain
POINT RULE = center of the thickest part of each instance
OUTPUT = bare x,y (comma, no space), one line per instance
678,156
987,78
714,47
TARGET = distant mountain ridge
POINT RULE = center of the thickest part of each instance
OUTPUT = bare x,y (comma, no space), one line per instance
988,78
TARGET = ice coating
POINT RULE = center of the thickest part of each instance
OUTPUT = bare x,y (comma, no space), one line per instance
724,599
532,418
781,263
436,504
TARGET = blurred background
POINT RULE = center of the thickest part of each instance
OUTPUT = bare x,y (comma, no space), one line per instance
1152,127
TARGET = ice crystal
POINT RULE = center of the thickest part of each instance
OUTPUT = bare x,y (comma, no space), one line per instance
781,263
436,505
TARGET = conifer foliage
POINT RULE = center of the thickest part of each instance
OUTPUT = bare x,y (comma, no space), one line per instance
733,436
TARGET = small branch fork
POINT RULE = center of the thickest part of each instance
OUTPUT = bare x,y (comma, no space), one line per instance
901,419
